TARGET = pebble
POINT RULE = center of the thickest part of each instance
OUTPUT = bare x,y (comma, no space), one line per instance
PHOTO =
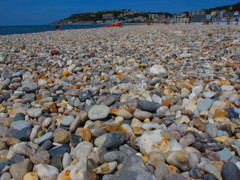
113,140
158,70
19,116
34,112
43,138
45,171
204,104
173,176
83,149
134,168
41,157
6,176
142,115
59,150
16,158
179,159
61,136
98,112
161,170
67,120
21,148
187,140
209,168
211,129
18,170
20,125
147,105
66,161
124,113
155,106
114,156
106,168
31,175
34,132
230,171
225,154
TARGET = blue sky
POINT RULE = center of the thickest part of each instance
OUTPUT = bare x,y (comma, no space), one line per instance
34,12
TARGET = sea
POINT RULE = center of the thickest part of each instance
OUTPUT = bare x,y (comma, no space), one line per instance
5,30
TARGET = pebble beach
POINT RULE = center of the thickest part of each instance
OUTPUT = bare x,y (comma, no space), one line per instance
144,102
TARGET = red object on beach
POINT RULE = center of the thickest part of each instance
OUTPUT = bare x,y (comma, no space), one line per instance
114,25
91,54
55,52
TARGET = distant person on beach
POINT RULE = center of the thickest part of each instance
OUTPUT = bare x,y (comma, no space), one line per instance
57,28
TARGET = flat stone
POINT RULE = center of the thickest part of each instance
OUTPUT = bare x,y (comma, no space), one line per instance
230,171
16,158
109,101
158,70
208,94
61,136
227,88
46,145
142,115
98,112
21,124
34,112
83,149
31,176
211,129
186,55
204,104
114,156
145,105
160,170
19,116
187,140
30,87
233,98
5,97
67,120
41,157
225,154
45,171
6,176
59,150
133,168
197,90
127,150
125,114
18,170
114,139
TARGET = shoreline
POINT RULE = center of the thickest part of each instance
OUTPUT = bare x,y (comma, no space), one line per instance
147,101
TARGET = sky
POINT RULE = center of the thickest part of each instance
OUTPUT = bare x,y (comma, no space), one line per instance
39,12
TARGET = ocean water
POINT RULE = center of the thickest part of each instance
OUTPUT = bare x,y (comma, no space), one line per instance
5,30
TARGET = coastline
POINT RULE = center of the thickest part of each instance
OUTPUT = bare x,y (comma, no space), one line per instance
150,101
